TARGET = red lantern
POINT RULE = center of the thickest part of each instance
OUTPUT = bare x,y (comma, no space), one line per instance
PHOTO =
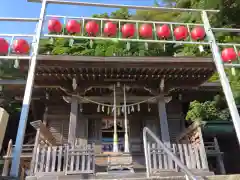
92,28
110,29
54,26
229,55
180,33
73,26
145,31
3,46
128,30
198,33
21,46
163,31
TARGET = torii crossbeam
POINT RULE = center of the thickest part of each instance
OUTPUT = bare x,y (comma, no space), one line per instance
39,34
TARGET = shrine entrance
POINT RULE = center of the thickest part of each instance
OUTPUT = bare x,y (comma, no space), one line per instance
107,130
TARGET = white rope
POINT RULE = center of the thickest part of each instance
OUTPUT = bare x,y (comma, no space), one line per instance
109,105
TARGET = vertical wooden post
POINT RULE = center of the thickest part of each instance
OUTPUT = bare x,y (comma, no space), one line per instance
219,157
81,133
22,175
163,121
34,152
3,124
73,121
7,161
203,153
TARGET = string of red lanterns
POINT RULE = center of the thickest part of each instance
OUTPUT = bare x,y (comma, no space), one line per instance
19,46
128,30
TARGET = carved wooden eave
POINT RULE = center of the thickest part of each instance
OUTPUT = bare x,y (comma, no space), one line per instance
95,75
103,71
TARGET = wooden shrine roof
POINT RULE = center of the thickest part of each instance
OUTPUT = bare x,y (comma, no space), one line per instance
148,71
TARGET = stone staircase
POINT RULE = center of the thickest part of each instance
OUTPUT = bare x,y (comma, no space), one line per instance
135,176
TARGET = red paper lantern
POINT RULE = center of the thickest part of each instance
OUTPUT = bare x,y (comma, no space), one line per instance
229,55
163,31
21,46
92,28
3,46
73,27
145,31
180,33
198,33
110,29
128,30
54,26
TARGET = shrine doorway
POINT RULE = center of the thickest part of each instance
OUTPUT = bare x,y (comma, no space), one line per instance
108,131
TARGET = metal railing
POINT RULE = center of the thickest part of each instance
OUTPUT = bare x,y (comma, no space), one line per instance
147,131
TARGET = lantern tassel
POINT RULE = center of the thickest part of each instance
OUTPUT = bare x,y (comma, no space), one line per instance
146,45
128,46
51,40
233,71
91,43
16,64
201,49
71,42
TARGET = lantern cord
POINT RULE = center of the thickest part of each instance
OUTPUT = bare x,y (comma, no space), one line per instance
108,105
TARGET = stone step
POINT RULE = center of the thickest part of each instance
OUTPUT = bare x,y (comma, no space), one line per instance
136,176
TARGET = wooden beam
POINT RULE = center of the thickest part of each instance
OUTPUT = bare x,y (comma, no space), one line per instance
73,121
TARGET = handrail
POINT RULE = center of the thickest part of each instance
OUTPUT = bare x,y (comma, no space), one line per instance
166,150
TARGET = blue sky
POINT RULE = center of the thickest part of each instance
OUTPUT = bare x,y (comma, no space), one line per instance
22,8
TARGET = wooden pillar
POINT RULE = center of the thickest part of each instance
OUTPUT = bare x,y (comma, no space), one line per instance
220,162
203,153
163,121
6,165
82,130
34,152
98,136
73,121
3,125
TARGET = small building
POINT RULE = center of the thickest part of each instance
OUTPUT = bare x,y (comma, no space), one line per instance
79,102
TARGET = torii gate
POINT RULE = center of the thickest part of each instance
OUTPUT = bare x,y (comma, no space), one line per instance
38,34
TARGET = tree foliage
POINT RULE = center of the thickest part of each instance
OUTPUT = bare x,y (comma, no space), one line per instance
208,110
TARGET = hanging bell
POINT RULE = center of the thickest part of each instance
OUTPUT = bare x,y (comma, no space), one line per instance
102,108
108,110
98,108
